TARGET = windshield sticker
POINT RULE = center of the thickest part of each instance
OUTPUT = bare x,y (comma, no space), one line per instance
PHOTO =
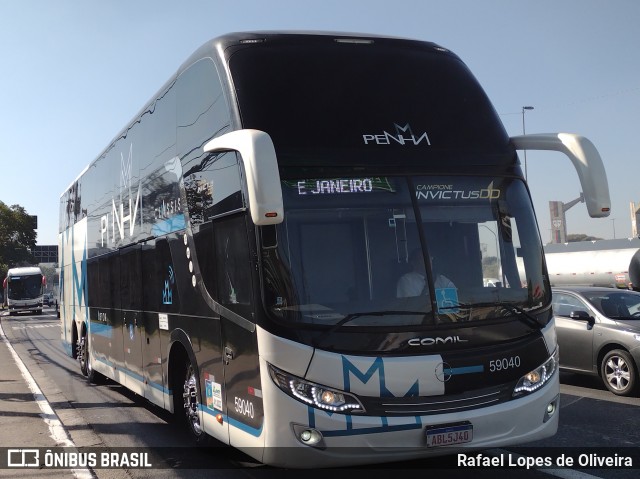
447,299
445,192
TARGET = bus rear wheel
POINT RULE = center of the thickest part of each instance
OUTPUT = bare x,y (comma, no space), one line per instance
82,353
84,358
187,402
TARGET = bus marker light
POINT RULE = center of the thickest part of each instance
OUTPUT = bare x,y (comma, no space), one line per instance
219,418
552,407
310,437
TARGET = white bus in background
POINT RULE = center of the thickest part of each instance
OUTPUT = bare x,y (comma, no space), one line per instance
23,289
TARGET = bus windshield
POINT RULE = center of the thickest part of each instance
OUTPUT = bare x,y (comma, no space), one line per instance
404,251
25,287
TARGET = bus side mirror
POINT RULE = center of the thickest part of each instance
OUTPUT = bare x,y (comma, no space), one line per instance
586,160
258,156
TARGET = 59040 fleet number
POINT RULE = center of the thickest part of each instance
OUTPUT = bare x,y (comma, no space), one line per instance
244,407
511,362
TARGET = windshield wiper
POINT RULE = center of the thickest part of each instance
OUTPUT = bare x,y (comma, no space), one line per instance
521,313
524,315
351,316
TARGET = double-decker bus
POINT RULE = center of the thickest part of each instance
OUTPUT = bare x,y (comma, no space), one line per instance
23,289
286,247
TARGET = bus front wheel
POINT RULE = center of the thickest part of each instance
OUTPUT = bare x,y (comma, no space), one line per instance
187,402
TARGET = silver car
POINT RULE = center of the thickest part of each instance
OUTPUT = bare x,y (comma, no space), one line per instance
599,334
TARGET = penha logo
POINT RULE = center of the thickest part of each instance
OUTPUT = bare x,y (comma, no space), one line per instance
403,136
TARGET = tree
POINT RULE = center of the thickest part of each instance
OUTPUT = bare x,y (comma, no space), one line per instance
490,267
49,272
17,238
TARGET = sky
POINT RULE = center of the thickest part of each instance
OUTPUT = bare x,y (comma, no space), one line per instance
73,73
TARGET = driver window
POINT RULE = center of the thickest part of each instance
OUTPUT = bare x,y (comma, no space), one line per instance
564,304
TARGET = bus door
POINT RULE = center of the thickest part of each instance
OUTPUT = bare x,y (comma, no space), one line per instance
239,341
131,310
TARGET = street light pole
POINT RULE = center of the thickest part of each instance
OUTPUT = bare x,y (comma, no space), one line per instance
613,222
524,133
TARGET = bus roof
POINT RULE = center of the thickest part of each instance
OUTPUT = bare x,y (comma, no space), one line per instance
24,270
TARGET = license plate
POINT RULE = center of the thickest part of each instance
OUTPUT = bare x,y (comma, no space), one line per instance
447,434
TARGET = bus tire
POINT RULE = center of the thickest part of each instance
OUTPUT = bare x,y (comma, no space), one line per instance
187,401
82,349
86,367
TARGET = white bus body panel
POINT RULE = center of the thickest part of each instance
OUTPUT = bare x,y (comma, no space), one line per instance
353,439
74,308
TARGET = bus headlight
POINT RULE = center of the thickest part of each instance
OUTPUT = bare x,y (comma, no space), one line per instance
315,395
534,380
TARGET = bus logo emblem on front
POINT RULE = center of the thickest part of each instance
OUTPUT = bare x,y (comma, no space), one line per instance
443,372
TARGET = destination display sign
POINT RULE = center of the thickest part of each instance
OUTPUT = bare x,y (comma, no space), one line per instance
339,186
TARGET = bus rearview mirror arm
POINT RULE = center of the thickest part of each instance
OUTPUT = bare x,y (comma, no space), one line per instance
586,160
261,169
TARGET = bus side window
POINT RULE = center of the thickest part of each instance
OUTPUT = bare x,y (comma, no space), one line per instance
233,265
203,239
131,278
93,278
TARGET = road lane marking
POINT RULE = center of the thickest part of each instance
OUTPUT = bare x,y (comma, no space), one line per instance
56,429
35,326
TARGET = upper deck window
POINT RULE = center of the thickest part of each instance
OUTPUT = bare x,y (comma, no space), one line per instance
394,98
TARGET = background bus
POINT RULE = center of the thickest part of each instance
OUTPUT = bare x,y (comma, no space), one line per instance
23,289
233,255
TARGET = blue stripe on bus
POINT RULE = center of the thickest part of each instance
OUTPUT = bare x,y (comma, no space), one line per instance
233,422
135,376
374,429
169,225
466,370
102,329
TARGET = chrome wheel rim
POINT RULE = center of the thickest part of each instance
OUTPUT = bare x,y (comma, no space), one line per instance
191,402
617,373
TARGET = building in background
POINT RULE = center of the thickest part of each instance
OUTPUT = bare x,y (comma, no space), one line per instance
557,210
47,254
635,216
47,258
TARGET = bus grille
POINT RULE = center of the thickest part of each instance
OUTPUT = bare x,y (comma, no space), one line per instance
425,405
